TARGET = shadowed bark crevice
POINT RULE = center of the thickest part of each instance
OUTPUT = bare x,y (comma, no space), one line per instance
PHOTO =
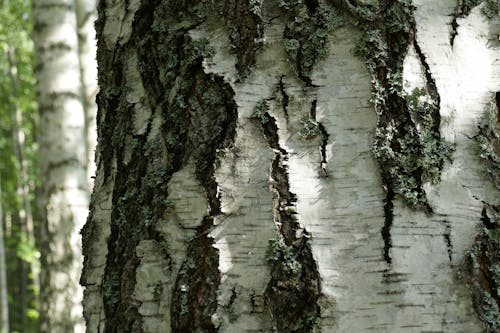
293,293
447,239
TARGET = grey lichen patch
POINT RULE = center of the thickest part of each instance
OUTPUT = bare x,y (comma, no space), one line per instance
491,8
261,111
489,139
482,268
306,33
416,155
310,127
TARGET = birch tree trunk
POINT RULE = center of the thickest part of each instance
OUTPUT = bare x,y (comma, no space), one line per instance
295,166
86,14
62,154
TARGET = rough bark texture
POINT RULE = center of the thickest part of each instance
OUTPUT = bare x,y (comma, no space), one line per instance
64,197
245,183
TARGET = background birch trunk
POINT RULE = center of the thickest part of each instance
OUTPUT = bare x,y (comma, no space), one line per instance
86,14
245,183
62,161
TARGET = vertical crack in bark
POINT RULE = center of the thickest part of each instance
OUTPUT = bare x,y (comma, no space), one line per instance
408,145
488,139
388,220
454,27
285,99
324,140
294,290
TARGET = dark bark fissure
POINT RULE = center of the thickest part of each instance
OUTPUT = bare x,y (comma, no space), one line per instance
244,20
324,141
388,220
293,292
481,266
198,115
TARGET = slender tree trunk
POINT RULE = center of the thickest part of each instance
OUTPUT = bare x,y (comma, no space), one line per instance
62,156
294,166
4,304
86,14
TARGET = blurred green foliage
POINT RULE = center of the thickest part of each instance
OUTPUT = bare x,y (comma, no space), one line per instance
16,39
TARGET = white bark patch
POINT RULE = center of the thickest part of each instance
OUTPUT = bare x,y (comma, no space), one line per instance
344,212
119,18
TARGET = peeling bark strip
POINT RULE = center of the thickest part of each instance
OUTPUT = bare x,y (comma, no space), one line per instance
295,287
198,116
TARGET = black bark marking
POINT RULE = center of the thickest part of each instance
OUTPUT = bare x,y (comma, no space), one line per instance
447,239
388,220
295,286
454,27
285,99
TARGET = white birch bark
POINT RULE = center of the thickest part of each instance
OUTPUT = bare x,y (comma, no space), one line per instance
334,176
